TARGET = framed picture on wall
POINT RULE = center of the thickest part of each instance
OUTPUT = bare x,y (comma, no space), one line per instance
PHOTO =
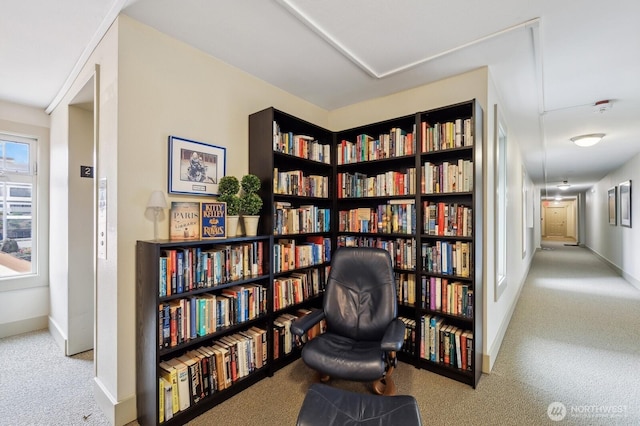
195,168
625,204
612,205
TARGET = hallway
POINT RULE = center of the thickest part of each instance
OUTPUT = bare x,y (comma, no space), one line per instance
574,336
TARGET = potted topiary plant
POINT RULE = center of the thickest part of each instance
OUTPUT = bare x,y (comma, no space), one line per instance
250,203
228,188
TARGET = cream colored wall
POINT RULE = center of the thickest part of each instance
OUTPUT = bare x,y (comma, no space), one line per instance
25,300
452,90
163,88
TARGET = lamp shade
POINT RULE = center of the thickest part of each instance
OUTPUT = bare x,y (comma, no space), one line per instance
157,200
587,140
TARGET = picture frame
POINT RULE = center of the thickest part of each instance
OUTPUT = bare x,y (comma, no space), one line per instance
612,198
625,204
195,168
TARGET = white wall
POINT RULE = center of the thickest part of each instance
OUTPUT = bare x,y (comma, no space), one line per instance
617,245
25,300
498,312
118,405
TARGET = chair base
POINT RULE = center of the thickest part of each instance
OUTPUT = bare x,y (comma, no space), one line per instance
385,387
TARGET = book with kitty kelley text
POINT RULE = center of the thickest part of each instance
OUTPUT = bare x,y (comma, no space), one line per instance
213,218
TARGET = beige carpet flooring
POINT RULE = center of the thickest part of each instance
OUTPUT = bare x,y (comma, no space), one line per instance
573,343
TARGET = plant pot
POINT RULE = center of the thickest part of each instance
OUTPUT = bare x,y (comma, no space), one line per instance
232,226
251,225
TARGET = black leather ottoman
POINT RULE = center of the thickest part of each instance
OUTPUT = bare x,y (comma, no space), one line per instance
327,406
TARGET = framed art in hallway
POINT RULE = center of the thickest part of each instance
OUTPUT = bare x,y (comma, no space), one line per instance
625,204
613,205
195,168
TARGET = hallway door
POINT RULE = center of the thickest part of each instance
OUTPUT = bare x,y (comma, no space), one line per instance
556,221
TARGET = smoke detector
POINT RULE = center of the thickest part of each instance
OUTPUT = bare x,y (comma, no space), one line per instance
602,106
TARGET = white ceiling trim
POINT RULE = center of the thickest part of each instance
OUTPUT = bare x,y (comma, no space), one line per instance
114,11
344,50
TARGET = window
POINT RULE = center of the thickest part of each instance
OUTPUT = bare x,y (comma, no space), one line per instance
17,206
500,205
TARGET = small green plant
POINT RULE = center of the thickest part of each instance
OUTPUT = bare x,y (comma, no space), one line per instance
233,204
228,185
250,204
250,184
250,201
228,188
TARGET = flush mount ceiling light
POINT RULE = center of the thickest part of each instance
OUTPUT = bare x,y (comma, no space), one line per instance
587,140
564,185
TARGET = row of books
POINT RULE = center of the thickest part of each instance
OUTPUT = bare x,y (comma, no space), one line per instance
402,250
447,219
183,270
356,185
295,182
302,146
409,342
448,135
445,343
284,341
450,297
447,177
298,287
184,319
290,220
396,143
395,217
289,254
405,288
189,378
447,257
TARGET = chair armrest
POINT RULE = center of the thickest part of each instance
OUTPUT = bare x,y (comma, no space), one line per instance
300,326
394,336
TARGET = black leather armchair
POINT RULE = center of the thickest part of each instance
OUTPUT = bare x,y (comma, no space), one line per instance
363,332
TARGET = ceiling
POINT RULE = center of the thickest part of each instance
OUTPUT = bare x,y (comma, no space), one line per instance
550,60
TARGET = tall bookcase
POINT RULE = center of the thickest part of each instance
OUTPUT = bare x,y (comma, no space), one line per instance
450,240
294,160
378,197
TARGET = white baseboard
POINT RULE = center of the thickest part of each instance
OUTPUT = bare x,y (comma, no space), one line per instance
22,326
489,359
58,335
632,280
118,413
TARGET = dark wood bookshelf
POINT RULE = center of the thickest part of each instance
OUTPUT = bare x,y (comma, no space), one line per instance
149,352
263,160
